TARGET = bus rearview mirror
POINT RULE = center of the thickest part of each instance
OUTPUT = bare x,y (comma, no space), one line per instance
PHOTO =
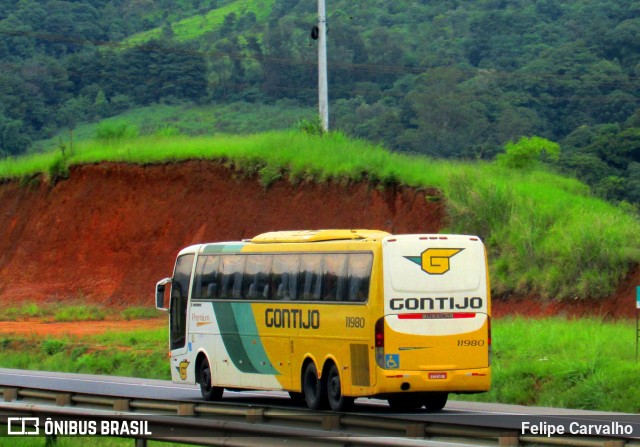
160,292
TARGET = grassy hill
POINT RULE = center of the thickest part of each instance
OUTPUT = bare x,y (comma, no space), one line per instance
546,234
190,119
193,27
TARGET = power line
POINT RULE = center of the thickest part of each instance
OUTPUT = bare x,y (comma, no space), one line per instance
335,64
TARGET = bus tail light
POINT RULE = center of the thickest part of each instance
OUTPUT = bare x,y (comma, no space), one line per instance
380,333
379,342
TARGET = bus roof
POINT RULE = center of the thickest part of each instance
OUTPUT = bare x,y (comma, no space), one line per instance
317,235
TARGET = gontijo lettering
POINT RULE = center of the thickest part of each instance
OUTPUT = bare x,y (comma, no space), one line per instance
292,318
440,303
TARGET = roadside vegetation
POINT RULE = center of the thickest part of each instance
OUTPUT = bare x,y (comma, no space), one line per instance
546,233
137,353
581,364
53,312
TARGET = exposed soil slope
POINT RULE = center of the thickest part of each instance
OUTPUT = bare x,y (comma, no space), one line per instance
110,231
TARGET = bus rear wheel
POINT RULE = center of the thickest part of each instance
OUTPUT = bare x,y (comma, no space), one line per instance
337,401
208,392
436,401
314,389
405,402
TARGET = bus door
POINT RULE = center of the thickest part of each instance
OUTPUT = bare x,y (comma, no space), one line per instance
436,303
178,319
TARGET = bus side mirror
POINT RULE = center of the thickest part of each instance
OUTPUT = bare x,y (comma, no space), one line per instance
160,288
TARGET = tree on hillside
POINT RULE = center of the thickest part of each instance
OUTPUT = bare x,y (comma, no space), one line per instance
157,70
12,137
527,151
447,120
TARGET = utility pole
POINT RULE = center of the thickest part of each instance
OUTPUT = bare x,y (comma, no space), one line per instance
323,89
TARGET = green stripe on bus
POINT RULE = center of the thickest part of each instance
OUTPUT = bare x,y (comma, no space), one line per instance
250,337
223,248
239,331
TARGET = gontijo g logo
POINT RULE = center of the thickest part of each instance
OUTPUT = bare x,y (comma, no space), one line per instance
435,261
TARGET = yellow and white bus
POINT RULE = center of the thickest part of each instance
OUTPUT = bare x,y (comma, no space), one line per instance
332,315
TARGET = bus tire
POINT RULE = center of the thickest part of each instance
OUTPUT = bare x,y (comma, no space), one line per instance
405,402
314,389
208,392
337,401
436,401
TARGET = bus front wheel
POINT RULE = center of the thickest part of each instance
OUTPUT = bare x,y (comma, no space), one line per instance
337,401
208,392
314,389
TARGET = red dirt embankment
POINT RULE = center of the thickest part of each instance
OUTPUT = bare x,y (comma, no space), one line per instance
110,231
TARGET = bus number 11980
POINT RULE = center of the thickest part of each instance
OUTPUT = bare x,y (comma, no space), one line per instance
354,322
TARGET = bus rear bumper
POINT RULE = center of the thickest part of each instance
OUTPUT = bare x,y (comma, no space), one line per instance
461,381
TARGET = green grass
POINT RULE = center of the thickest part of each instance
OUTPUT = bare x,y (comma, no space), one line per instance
79,313
24,311
139,313
136,353
75,312
584,364
74,441
188,119
194,27
546,234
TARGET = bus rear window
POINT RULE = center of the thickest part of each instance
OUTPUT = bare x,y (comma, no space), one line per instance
359,276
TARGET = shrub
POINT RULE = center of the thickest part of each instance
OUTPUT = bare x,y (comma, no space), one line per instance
52,346
59,169
115,130
527,151
311,127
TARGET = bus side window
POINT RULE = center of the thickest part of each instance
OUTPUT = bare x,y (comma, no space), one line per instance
334,277
359,276
310,277
207,279
232,269
256,277
284,277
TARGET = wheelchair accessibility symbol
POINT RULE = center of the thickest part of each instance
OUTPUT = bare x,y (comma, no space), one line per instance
392,361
